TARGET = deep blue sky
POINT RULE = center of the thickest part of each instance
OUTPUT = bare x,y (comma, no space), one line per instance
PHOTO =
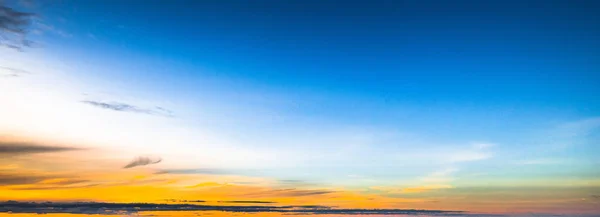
533,52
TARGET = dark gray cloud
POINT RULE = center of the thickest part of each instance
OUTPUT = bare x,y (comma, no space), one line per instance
143,160
30,148
14,26
134,208
124,107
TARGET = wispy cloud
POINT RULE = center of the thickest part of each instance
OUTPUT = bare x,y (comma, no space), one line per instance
30,148
12,72
474,152
23,181
19,179
441,176
290,192
14,26
573,133
41,27
142,161
124,107
410,190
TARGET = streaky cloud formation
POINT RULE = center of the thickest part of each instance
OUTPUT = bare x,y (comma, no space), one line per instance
124,107
142,161
290,192
19,179
30,148
12,72
15,181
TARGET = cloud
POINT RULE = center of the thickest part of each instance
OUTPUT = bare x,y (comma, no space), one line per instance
475,152
53,187
124,107
30,148
443,175
40,182
41,27
419,189
572,133
143,160
12,72
14,26
290,192
18,179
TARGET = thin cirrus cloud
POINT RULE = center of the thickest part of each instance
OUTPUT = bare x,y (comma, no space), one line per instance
476,152
291,192
12,72
124,107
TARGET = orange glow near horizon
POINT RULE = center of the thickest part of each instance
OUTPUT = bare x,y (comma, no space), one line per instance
41,181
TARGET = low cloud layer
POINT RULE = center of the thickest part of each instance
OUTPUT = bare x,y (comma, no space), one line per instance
142,161
124,107
133,208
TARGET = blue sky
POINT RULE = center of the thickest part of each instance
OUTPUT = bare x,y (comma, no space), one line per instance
453,92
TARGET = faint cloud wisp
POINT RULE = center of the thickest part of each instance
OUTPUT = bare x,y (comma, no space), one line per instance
124,107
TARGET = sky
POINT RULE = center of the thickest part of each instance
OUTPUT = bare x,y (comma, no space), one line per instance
485,106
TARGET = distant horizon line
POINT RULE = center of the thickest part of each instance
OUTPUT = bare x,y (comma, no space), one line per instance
108,208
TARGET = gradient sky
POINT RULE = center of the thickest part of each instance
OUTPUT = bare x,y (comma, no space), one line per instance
482,105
